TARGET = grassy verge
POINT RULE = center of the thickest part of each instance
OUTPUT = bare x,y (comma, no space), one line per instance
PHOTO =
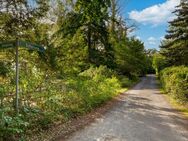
182,108
174,82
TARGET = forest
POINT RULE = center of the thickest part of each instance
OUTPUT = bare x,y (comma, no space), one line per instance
89,57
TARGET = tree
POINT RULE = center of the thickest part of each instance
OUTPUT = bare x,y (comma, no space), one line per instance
159,62
94,15
131,57
90,17
18,17
175,45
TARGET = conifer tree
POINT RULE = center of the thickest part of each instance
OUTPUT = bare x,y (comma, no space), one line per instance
175,45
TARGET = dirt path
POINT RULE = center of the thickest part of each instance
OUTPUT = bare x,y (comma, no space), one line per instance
142,114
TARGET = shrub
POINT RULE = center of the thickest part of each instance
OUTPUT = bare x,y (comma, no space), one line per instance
126,82
159,63
11,127
91,88
174,81
58,100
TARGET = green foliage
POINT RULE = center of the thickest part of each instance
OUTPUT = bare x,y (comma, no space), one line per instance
17,24
175,82
159,62
89,17
175,45
150,53
4,69
11,126
88,58
174,52
92,87
127,82
71,51
131,58
52,99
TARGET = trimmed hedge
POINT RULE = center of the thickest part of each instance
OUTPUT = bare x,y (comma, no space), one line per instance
174,81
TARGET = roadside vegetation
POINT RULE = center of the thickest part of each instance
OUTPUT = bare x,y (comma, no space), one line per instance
174,80
171,62
88,58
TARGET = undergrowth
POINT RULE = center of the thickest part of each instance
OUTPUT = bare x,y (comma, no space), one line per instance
59,101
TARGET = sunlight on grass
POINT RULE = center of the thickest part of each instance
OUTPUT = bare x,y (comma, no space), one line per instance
180,107
123,90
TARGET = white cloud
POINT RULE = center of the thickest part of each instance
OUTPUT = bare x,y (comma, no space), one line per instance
138,37
156,14
152,41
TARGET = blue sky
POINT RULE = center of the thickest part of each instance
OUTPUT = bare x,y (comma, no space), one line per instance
151,18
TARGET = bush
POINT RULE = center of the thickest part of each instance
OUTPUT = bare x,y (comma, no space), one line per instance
11,127
58,100
174,81
91,88
159,63
126,82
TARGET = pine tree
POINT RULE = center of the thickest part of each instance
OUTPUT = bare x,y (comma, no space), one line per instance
175,45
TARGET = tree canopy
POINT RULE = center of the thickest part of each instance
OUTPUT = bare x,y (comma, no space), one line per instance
175,45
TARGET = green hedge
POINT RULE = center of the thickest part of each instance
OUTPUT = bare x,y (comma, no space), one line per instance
174,81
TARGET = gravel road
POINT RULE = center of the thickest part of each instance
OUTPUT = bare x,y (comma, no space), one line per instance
142,114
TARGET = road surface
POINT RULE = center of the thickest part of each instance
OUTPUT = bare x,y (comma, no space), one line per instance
142,114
